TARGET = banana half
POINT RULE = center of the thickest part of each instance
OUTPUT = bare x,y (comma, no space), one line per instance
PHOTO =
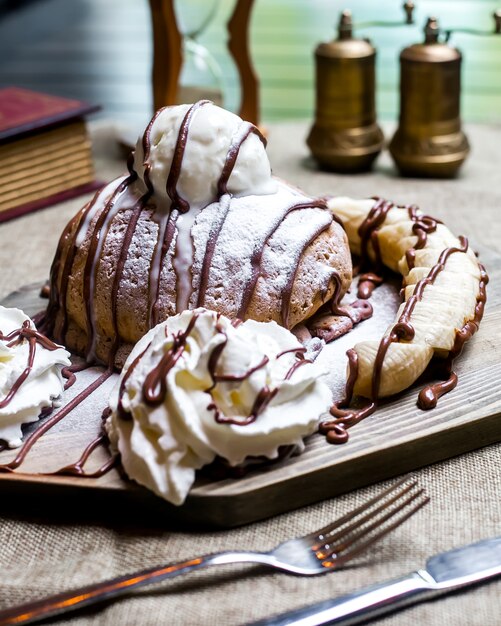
443,299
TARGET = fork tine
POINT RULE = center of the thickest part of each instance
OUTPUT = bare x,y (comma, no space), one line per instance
328,539
339,562
352,537
356,512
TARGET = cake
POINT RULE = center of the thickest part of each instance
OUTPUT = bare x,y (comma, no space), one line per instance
198,221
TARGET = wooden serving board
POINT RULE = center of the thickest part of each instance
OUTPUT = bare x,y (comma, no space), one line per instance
398,438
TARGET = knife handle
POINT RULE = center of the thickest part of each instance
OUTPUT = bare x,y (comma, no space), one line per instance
360,605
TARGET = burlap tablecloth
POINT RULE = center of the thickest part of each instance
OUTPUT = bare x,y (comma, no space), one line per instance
43,552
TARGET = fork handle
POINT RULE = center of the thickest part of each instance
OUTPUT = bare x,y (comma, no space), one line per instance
92,594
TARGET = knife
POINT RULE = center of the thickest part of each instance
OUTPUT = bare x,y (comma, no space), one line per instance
443,573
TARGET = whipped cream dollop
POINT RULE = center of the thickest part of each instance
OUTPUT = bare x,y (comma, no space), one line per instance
198,386
212,133
30,373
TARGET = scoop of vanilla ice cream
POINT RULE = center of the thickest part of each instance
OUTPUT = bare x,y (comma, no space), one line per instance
22,403
233,392
211,133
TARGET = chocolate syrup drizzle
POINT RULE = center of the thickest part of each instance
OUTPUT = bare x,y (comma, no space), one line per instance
264,397
34,338
368,233
344,416
52,421
98,234
211,248
155,383
78,469
55,321
178,204
154,388
16,337
222,190
69,373
287,291
429,395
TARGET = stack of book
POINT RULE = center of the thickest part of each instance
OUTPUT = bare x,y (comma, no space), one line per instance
45,151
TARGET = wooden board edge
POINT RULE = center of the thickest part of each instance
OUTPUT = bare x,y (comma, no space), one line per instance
229,511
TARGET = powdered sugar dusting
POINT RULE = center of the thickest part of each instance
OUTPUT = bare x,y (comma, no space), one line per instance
244,232
287,244
251,220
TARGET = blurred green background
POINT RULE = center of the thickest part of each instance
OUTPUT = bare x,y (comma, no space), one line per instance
285,33
101,51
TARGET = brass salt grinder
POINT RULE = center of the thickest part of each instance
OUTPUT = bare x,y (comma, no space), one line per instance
429,140
345,136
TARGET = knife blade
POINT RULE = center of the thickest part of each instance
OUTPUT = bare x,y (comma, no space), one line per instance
443,573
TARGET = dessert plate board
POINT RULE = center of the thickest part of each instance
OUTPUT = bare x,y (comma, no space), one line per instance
398,438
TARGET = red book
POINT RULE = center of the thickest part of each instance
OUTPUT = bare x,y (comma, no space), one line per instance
45,151
23,112
43,203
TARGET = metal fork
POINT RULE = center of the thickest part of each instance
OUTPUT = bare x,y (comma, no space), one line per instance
321,551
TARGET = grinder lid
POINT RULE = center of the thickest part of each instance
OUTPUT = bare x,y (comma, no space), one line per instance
432,50
345,46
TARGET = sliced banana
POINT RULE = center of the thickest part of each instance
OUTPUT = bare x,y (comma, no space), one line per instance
442,286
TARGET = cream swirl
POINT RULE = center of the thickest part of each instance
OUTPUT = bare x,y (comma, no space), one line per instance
30,373
197,386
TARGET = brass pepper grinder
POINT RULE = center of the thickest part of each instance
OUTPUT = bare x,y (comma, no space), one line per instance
345,136
429,140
